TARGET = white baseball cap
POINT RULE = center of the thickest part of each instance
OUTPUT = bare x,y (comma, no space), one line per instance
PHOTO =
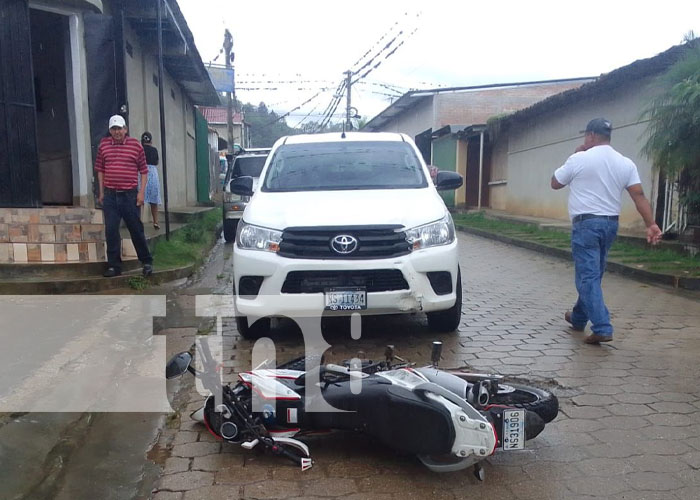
117,121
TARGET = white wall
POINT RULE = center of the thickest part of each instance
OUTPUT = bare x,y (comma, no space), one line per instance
412,121
537,147
144,114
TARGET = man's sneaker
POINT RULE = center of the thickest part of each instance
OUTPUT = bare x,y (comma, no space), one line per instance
567,317
147,269
111,272
594,338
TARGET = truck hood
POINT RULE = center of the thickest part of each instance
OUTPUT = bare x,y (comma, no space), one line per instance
405,207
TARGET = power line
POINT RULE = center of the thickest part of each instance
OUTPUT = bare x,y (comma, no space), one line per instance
295,109
386,56
334,100
377,42
277,88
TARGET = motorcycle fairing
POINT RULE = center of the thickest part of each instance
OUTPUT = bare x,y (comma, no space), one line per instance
393,414
268,387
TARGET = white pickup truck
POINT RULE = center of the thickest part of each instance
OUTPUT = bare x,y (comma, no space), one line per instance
343,223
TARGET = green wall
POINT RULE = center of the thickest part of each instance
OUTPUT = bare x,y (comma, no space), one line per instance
445,158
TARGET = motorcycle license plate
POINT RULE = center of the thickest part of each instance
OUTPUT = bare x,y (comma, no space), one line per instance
513,430
345,299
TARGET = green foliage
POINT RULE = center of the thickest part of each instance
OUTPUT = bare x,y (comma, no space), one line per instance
266,126
673,142
188,245
637,255
313,127
138,283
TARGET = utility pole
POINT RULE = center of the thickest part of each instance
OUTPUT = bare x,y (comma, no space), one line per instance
348,110
228,45
163,145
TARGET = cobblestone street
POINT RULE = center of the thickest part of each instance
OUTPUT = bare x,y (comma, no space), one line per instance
628,428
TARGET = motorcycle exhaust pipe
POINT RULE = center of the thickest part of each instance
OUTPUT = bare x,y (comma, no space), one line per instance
478,395
228,431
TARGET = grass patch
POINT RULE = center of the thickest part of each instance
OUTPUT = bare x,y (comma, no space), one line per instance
188,245
138,283
640,256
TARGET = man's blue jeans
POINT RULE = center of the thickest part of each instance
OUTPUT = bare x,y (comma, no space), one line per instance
591,240
118,205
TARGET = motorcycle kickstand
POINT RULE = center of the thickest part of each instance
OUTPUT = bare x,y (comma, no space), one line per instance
479,472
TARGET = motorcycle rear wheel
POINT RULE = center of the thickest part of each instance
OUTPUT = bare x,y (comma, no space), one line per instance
543,403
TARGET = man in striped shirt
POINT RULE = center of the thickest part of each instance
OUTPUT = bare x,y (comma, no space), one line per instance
120,160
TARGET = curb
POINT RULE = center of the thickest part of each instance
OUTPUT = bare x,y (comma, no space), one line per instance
89,285
625,270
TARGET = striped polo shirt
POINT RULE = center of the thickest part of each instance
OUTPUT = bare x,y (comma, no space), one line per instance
121,163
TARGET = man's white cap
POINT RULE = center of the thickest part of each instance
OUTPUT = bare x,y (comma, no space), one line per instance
117,121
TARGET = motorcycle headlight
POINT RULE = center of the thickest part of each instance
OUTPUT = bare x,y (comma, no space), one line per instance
436,233
252,237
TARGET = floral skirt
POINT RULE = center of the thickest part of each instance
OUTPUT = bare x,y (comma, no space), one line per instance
152,193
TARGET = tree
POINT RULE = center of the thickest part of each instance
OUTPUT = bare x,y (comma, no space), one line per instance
266,126
673,142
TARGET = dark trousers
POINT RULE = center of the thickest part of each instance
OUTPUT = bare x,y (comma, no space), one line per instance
118,205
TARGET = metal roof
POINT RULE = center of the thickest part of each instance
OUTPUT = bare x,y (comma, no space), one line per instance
605,84
217,115
414,97
180,56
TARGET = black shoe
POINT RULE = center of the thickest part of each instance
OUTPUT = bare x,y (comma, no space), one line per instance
147,269
594,338
578,328
111,272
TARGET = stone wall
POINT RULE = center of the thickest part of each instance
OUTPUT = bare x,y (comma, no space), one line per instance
56,234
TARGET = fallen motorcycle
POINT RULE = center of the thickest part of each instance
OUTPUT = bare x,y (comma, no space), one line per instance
449,419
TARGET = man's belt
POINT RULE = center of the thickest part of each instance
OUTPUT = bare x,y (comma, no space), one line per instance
112,190
581,217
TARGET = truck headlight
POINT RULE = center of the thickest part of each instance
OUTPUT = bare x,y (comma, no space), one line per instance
252,237
441,232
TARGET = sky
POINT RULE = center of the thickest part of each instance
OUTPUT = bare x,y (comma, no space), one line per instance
290,52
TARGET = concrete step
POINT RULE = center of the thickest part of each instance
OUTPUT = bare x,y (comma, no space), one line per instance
86,277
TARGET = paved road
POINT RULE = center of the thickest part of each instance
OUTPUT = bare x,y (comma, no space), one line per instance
629,425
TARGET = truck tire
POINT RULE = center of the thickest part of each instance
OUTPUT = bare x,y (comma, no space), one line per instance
448,320
230,226
254,331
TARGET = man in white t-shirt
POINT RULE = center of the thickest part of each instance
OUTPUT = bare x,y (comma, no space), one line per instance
597,175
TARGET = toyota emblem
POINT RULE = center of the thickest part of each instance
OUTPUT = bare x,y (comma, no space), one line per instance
344,244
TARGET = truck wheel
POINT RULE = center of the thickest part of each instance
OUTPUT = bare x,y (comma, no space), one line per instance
230,226
448,321
254,331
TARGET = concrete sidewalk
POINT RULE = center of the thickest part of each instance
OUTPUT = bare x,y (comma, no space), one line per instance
675,281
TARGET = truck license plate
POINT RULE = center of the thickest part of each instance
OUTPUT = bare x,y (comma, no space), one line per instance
513,430
345,299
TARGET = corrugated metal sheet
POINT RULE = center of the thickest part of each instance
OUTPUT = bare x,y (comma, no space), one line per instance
218,115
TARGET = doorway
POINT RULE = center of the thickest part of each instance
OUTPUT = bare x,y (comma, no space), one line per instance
50,58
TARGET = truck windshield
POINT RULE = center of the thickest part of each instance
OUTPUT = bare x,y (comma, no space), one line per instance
343,166
249,165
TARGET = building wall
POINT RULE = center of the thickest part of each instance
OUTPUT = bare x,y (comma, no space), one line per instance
144,114
461,168
539,146
498,183
445,158
222,130
412,121
476,106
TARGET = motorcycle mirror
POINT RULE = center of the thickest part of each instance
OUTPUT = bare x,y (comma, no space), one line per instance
435,355
178,365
